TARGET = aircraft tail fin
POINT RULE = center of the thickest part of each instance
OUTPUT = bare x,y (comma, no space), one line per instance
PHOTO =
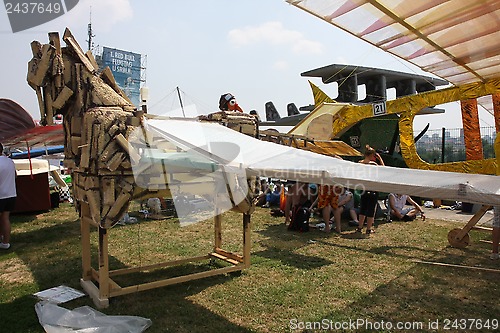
292,109
271,112
319,95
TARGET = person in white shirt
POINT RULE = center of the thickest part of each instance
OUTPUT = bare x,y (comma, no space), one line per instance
399,211
8,196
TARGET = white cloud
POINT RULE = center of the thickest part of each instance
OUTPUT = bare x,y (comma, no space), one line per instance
280,65
105,13
275,34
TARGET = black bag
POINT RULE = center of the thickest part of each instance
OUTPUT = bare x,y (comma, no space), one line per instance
300,219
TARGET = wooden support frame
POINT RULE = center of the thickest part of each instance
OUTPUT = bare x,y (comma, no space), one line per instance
460,237
99,283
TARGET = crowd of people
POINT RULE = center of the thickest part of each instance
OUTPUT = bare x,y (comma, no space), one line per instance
333,203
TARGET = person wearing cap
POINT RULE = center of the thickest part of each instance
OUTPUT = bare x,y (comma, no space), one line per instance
227,102
7,197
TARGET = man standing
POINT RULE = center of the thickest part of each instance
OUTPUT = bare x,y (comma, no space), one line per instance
7,197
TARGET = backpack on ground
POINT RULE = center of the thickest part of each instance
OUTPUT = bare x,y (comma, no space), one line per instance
300,219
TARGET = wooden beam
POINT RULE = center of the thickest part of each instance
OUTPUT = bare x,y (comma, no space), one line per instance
457,266
73,44
62,98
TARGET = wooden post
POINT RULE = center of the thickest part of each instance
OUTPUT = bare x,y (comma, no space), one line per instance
103,265
85,230
246,240
217,230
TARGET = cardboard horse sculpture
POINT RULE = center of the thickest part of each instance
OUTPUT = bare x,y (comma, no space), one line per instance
99,121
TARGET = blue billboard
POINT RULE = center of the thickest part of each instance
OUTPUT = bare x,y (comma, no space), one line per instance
126,68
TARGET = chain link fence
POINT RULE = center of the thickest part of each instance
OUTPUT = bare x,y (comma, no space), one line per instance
433,149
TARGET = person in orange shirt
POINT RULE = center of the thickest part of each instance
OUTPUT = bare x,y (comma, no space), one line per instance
327,201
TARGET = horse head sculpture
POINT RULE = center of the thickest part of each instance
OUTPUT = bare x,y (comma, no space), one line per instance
98,122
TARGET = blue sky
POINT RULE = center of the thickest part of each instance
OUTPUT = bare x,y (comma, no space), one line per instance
255,49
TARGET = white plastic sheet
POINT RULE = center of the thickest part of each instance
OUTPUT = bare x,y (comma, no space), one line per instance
260,158
56,319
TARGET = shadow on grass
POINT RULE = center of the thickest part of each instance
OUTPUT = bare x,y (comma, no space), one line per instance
19,315
171,309
424,294
52,255
22,218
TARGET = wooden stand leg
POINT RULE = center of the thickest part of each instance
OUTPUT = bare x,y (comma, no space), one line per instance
218,231
460,237
85,231
103,264
246,240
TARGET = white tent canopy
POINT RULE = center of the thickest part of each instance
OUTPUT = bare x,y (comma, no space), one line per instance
234,151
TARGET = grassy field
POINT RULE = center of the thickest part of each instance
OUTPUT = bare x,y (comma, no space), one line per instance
295,280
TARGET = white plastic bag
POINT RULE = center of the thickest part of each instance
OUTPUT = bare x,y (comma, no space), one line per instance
56,319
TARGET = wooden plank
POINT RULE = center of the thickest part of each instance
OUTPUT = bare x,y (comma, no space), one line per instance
57,178
91,58
103,259
115,161
217,230
49,112
89,220
36,49
108,191
91,183
41,103
120,202
36,76
55,42
62,98
472,222
151,267
175,280
246,239
76,126
91,289
85,239
134,156
94,200
228,254
481,228
96,133
222,257
107,76
457,266
108,152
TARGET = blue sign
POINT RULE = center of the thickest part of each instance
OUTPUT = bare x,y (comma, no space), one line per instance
126,68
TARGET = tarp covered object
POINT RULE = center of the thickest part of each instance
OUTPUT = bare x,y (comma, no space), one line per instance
261,158
14,119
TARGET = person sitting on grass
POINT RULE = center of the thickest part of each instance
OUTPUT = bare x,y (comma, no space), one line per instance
273,196
346,207
327,201
297,206
398,210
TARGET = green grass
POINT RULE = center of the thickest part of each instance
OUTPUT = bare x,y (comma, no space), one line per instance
298,277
